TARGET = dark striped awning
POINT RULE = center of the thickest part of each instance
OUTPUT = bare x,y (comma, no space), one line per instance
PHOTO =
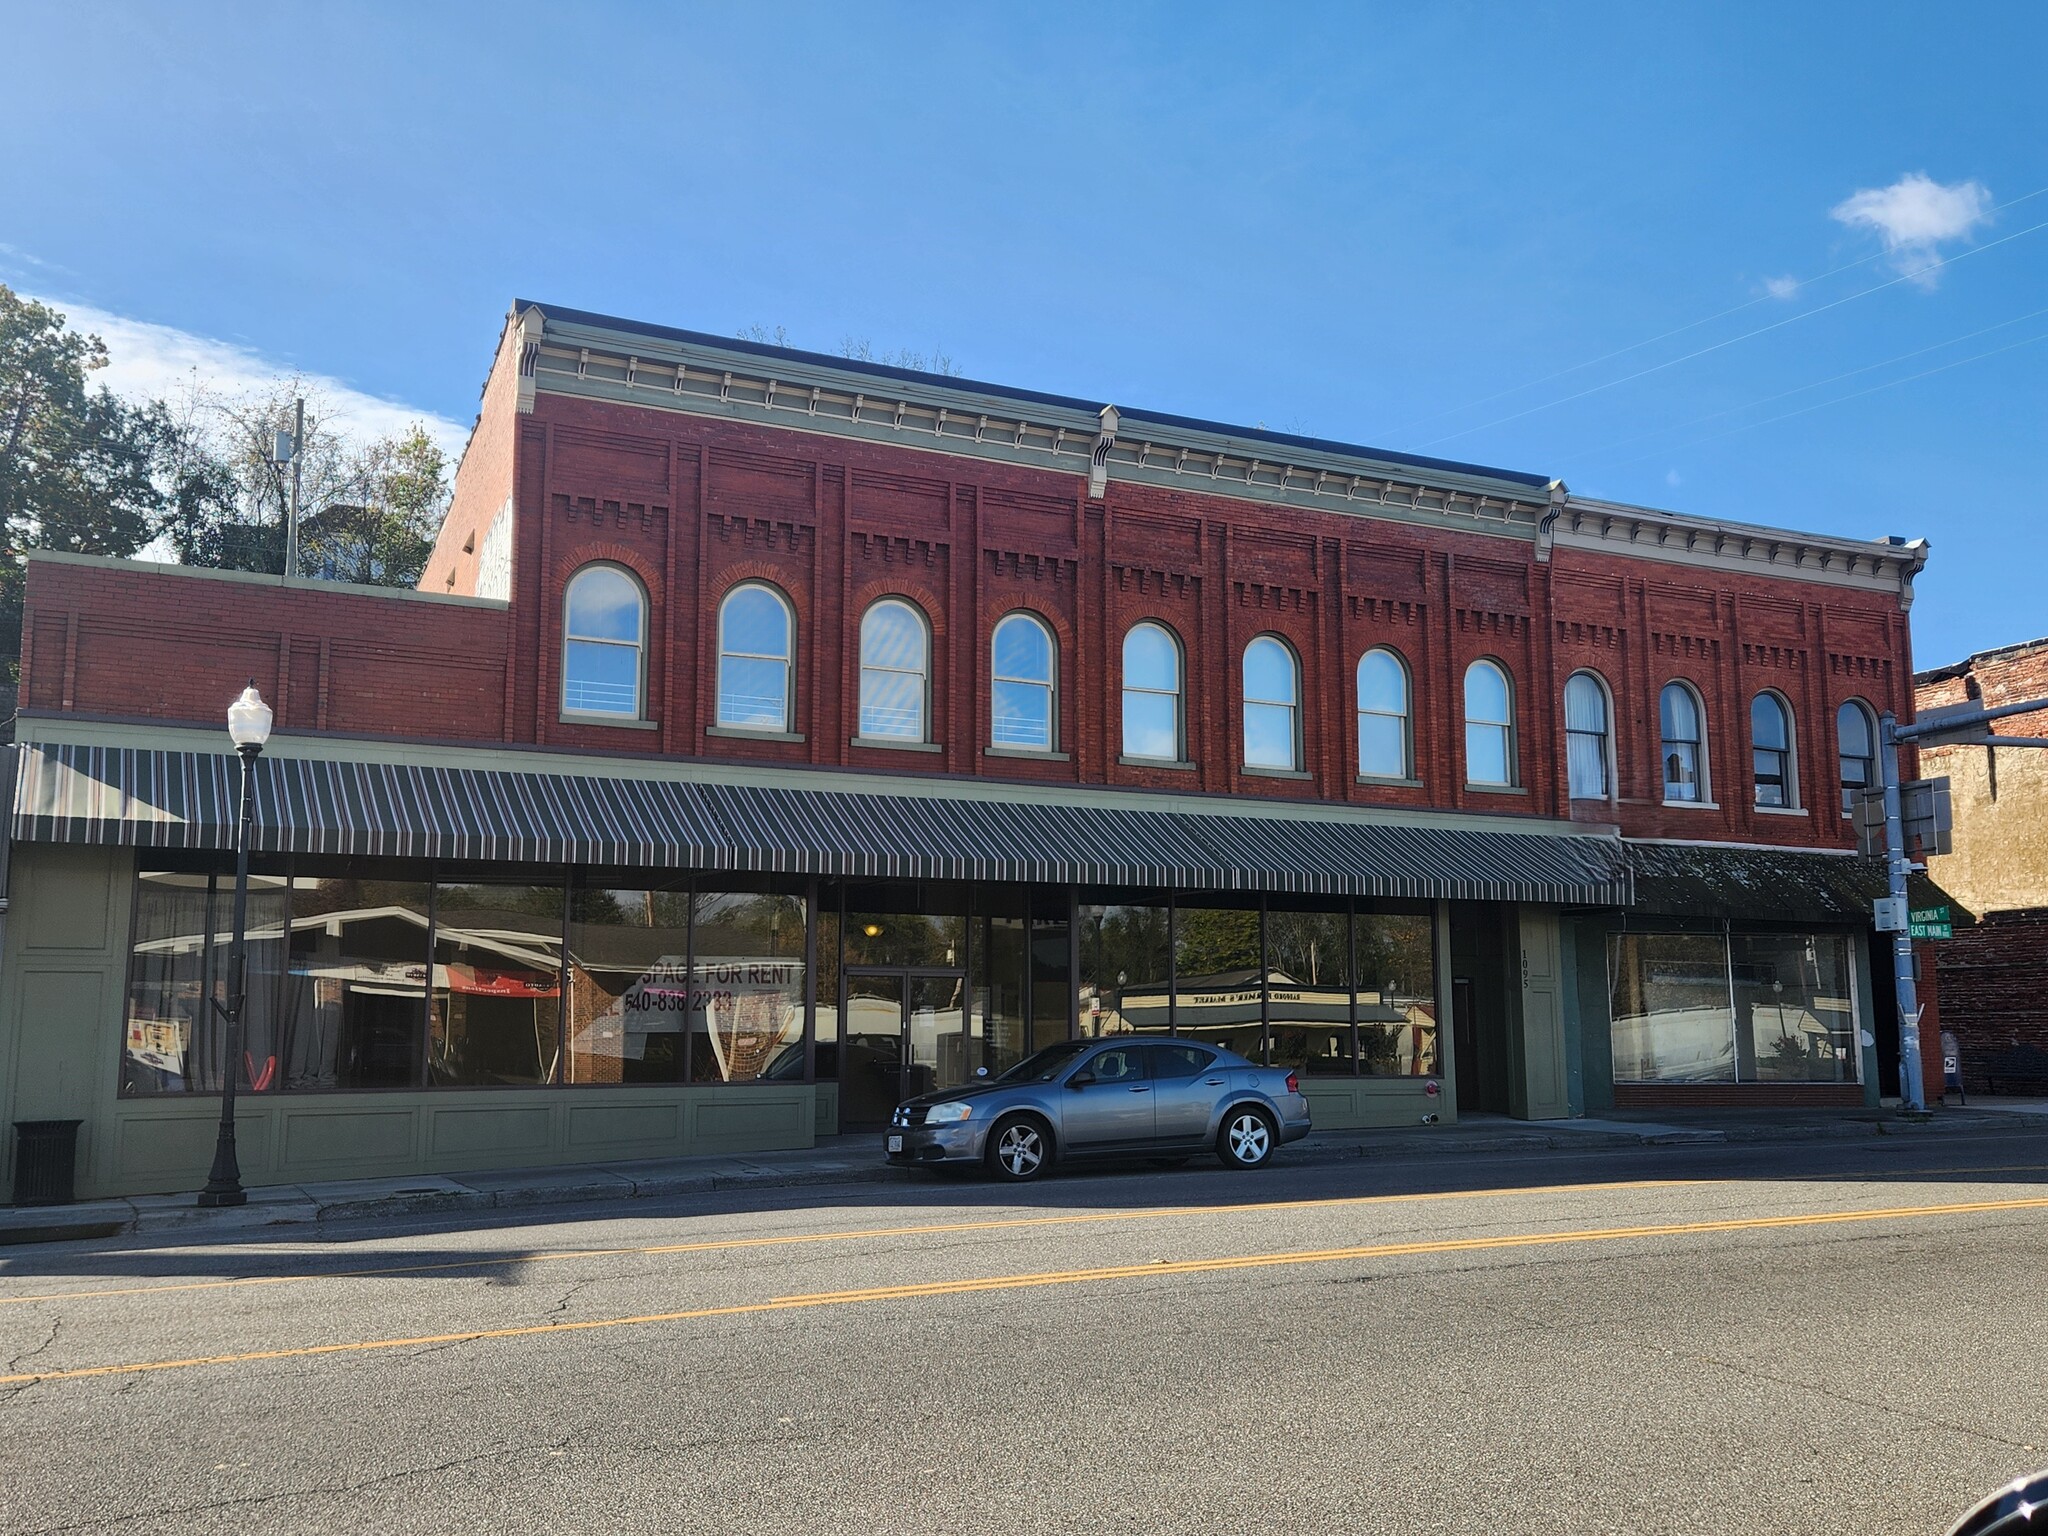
147,799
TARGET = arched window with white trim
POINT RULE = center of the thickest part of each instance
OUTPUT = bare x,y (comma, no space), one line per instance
1385,736
756,655
1272,705
1776,765
1024,664
1155,714
1489,726
1588,744
1856,744
1682,745
895,672
604,640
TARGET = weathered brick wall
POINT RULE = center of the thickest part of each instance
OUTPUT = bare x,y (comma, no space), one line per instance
483,480
1994,987
2000,795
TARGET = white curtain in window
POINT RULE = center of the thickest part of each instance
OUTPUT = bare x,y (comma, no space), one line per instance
1585,735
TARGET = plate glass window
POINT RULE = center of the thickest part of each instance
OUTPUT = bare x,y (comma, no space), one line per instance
604,629
755,635
1770,733
1585,736
1022,660
1489,725
1382,716
894,655
1272,705
1856,736
1678,712
1152,693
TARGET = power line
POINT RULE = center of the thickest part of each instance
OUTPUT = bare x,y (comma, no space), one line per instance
1693,325
1750,405
1804,410
1775,325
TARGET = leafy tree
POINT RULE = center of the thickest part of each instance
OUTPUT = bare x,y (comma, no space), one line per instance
384,537
78,467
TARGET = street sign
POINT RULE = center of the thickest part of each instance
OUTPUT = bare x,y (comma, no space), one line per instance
1930,923
1929,914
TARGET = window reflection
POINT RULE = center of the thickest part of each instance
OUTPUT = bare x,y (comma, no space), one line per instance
1397,1007
746,1006
1672,1022
1126,950
1217,996
1308,990
628,986
355,1001
497,985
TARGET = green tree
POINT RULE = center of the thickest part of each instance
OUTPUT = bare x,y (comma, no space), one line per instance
384,537
78,467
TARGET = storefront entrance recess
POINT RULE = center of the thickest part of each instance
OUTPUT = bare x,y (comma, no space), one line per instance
905,1033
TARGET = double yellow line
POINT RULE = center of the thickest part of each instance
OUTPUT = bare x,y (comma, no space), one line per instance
1058,1277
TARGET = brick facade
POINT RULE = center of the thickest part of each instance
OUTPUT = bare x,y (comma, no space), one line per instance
692,505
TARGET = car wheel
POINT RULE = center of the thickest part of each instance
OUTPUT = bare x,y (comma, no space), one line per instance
1019,1149
1246,1140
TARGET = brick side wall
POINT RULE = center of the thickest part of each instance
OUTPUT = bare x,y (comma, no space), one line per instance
483,480
171,645
693,505
1994,984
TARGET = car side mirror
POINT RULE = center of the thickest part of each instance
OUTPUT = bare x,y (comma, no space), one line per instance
1081,1080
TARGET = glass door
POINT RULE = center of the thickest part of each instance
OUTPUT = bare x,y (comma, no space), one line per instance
903,1033
871,1048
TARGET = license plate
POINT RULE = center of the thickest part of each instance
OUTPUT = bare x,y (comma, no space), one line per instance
895,1143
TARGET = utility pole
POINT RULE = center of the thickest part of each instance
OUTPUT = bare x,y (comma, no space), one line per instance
1958,726
291,525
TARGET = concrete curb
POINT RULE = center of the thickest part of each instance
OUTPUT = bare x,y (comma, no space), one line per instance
311,1205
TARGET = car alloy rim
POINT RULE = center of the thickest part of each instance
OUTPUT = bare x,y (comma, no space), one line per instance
1019,1150
1248,1138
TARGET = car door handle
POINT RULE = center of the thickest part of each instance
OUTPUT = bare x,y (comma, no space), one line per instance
1212,1082
1141,1090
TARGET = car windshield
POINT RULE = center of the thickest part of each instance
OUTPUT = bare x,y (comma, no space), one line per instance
1040,1066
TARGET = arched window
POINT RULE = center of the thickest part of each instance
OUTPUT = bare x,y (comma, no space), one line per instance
1272,705
1022,659
604,631
1856,740
1684,748
1586,746
1489,725
1770,739
1153,712
756,635
1383,734
895,651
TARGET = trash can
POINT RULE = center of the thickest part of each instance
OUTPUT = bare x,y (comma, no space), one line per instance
45,1158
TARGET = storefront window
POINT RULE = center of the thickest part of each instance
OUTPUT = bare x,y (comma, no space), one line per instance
1672,1022
497,985
746,1004
1217,997
1397,1007
175,1035
355,999
1308,990
628,976
1052,967
1126,952
1001,991
1794,1022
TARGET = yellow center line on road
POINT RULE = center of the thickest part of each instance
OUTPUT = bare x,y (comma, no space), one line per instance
1052,1277
720,1245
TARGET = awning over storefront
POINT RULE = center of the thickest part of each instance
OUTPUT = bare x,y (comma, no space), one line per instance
150,799
1768,884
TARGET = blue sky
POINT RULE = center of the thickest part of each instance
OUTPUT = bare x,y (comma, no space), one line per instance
1357,221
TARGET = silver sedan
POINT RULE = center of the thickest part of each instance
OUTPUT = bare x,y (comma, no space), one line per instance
1124,1097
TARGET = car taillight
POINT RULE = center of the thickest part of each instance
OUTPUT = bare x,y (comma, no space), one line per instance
1293,1083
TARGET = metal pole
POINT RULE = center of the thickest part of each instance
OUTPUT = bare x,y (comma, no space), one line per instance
291,525
224,1182
1912,1092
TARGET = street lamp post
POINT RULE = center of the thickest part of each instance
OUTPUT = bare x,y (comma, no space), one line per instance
249,728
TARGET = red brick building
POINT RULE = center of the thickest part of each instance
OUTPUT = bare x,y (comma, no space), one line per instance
961,718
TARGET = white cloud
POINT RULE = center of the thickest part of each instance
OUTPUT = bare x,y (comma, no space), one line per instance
148,361
1915,216
1781,287
1671,477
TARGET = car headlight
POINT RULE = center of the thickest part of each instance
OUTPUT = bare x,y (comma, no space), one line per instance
942,1114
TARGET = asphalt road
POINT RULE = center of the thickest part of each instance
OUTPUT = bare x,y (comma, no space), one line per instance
1834,1336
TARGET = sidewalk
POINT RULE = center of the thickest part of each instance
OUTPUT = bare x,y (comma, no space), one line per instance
857,1160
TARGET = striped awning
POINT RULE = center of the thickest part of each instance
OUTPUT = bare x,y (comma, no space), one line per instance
150,799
